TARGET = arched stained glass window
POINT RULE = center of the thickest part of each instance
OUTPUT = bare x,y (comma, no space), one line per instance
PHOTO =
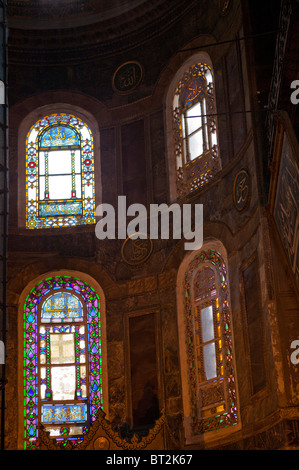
211,374
62,360
59,173
195,128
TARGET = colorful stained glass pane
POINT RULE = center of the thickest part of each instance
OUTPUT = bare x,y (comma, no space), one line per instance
209,341
64,413
56,357
59,136
64,208
194,89
195,129
62,306
60,188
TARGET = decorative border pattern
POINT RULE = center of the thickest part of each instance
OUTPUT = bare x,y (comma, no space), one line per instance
135,443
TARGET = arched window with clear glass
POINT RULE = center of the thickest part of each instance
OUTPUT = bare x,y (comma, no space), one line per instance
195,128
211,374
62,360
59,173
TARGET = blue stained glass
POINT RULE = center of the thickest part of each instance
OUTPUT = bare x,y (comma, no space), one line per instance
31,392
194,90
31,431
64,208
59,136
62,306
92,312
95,386
30,318
64,413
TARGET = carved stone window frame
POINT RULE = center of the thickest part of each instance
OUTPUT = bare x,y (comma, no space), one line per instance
195,431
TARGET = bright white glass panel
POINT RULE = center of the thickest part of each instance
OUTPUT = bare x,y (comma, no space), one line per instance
85,133
195,145
204,110
63,382
208,77
88,191
79,188
59,162
43,386
193,122
43,391
76,430
41,187
83,376
62,348
183,128
77,161
213,139
32,193
175,102
206,136
54,432
32,136
41,163
207,324
60,187
209,354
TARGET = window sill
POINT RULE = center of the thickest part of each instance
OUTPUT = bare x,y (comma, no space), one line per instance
22,231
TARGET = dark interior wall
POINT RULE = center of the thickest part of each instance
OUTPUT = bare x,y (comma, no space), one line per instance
255,326
144,382
134,163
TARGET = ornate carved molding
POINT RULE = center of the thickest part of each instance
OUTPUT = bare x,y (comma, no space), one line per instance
101,435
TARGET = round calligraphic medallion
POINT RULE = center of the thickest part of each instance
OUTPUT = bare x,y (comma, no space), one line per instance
242,190
137,250
127,77
101,443
224,6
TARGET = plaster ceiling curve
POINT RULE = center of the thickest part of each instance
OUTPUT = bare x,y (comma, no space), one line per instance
60,14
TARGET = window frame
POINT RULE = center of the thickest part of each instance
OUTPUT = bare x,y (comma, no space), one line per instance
49,365
227,420
180,181
194,173
207,383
